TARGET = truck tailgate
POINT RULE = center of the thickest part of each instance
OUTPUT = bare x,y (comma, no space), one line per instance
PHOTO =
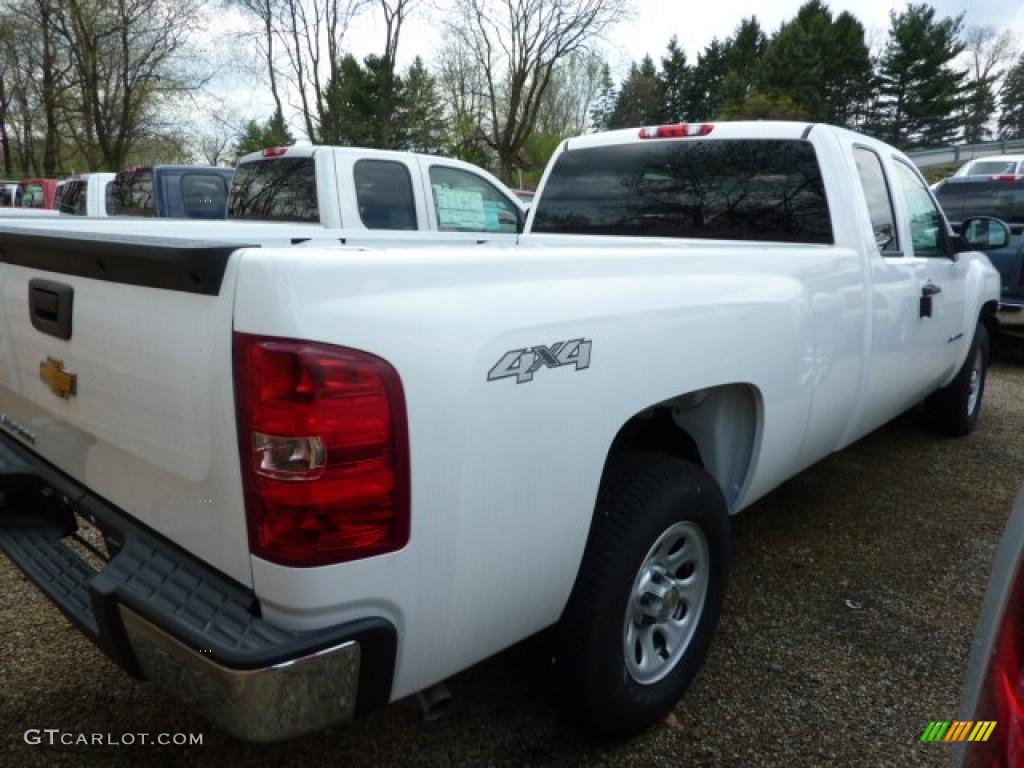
115,367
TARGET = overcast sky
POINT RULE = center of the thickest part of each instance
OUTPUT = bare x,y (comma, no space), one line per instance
648,30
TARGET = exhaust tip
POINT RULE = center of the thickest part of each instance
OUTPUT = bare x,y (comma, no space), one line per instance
434,702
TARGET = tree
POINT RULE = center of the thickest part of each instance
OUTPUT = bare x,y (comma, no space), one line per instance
604,102
303,29
706,79
395,13
127,60
420,113
675,81
516,46
988,51
920,90
822,63
267,12
1011,97
461,88
641,99
759,105
256,136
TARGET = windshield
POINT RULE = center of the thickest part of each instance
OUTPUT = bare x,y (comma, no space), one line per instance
992,167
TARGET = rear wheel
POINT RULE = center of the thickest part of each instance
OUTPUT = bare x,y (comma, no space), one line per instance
955,409
648,594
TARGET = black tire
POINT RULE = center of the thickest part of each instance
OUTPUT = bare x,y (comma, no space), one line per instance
642,497
948,411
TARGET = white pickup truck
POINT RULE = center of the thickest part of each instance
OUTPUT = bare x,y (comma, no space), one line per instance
292,483
85,195
368,189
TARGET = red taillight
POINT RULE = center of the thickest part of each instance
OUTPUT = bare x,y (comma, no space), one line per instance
274,151
1004,177
325,460
1002,694
676,131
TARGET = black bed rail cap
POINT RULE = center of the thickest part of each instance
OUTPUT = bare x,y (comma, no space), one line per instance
175,264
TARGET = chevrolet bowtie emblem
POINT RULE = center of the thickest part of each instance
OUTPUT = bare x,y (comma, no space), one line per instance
60,382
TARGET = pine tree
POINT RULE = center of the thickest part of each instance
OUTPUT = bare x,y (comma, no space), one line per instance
604,103
675,81
706,79
420,125
641,99
920,90
257,136
1011,97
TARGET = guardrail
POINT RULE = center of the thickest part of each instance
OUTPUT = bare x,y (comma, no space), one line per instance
929,158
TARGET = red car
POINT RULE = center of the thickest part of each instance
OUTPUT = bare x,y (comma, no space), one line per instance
995,677
38,193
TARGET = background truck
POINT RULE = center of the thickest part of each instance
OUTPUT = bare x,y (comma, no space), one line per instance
170,191
86,195
1003,197
356,188
335,476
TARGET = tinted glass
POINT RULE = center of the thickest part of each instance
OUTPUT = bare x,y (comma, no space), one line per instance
464,202
993,167
1002,199
204,195
32,195
6,195
878,199
926,223
73,198
723,189
131,194
384,195
275,190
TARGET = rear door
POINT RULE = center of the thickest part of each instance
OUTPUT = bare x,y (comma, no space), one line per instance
115,367
460,200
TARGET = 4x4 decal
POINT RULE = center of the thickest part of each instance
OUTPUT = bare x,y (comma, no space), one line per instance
524,363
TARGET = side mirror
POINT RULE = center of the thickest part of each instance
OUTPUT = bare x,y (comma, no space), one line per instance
984,233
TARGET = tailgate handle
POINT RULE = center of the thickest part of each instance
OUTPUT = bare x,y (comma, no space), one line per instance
49,307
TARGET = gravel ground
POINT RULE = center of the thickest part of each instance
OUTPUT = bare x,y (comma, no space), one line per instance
854,596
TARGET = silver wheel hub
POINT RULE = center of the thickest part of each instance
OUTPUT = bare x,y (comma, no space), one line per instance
666,602
975,386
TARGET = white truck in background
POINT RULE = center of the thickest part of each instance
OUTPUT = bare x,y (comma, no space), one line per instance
85,195
355,189
347,473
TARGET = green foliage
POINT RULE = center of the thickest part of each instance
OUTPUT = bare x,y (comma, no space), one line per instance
1011,96
675,81
706,80
257,136
359,113
920,90
758,105
604,102
641,99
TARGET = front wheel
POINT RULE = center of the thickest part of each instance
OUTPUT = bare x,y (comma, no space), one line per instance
648,594
955,409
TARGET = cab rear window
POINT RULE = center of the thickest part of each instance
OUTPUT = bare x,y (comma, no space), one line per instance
131,194
275,190
728,189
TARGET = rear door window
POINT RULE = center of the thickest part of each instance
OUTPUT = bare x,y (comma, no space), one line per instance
464,202
879,200
728,189
384,195
73,198
32,195
204,195
131,194
282,189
